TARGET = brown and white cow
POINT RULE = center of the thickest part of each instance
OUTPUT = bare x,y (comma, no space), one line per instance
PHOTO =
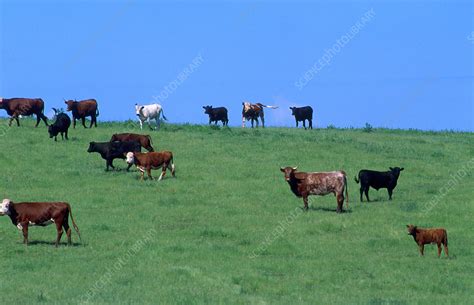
429,236
254,111
144,140
25,214
152,160
303,184
24,107
81,110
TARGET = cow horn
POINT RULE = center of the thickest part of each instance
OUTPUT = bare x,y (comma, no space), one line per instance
295,168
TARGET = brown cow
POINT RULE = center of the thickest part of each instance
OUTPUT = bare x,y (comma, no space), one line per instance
152,160
429,236
144,140
25,214
253,112
23,106
304,184
83,109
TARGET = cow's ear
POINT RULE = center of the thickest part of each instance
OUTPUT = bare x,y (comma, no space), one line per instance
391,168
282,169
402,168
408,226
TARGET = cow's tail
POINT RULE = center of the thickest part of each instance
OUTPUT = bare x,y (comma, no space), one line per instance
173,168
163,115
356,180
267,106
73,222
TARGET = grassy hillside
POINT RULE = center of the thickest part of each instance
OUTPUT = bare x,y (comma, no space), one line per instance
228,230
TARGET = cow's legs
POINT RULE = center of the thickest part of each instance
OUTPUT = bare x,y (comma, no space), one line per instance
25,232
446,249
296,123
422,248
148,171
262,119
73,122
439,249
366,191
340,202
65,133
390,191
158,122
83,122
310,122
109,163
38,119
361,192
68,231
92,121
59,227
304,124
128,167
243,122
44,118
149,123
305,200
141,123
163,173
172,169
62,135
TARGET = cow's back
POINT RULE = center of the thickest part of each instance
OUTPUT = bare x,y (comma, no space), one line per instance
24,106
87,107
323,183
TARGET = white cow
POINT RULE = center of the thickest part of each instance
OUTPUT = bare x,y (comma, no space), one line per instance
149,112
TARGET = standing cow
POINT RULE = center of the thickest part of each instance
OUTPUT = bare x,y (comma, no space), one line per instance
216,114
16,107
82,109
144,140
303,184
152,160
149,112
302,114
378,180
61,125
254,111
25,214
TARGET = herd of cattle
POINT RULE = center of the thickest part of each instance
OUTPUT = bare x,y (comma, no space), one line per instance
127,146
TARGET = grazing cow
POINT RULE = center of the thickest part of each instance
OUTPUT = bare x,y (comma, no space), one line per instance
253,112
113,150
82,109
152,160
304,184
61,125
429,236
302,114
216,114
378,180
149,112
144,140
19,107
25,214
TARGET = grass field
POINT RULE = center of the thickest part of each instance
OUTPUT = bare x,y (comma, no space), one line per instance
228,230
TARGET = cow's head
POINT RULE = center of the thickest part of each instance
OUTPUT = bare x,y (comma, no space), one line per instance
53,131
5,207
396,171
130,157
292,110
2,105
411,230
289,172
70,104
138,109
207,109
246,106
91,147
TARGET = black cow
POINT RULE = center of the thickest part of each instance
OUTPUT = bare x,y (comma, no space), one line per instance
378,180
114,150
302,114
61,125
216,114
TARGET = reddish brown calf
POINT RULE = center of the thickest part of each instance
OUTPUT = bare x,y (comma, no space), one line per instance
25,214
152,160
429,236
144,140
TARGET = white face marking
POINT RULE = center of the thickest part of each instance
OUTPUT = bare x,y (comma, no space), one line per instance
5,207
130,158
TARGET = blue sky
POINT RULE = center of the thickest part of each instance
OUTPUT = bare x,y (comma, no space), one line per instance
409,66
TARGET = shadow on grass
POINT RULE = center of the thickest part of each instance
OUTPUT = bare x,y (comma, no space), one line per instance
52,243
318,208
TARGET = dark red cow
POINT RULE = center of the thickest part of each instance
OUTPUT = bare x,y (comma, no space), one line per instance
23,106
82,109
